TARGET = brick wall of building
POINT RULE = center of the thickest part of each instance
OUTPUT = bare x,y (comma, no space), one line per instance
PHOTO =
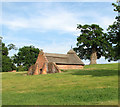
70,66
41,60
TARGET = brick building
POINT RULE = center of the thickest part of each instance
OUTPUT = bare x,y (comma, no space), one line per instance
52,63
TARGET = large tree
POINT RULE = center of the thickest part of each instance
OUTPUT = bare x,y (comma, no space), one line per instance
26,56
92,42
114,36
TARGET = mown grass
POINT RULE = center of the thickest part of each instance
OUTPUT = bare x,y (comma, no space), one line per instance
93,85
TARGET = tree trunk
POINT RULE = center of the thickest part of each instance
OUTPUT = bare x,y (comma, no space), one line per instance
93,57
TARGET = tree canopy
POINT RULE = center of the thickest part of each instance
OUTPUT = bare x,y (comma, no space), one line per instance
26,56
114,36
92,42
4,49
7,63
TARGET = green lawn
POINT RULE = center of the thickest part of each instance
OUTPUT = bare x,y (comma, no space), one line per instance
93,85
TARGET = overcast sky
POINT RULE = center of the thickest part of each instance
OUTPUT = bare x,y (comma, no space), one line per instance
51,26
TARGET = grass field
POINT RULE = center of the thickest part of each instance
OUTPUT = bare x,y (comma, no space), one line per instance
93,85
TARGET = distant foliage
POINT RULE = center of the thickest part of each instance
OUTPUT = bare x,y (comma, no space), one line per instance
26,56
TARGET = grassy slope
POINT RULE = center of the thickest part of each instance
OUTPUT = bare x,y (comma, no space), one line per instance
94,85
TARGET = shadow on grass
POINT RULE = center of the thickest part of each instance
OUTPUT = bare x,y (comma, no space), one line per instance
96,72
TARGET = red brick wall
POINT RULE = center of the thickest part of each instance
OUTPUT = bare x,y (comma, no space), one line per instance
70,66
41,60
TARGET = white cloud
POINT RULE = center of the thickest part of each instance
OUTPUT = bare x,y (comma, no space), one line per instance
105,21
15,23
102,60
60,20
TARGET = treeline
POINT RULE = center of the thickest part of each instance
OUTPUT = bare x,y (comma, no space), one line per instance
21,61
91,44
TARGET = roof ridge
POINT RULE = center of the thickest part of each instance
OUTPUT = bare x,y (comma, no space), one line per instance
55,53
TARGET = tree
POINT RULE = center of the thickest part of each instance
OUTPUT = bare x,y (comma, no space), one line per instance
114,36
26,56
92,42
7,63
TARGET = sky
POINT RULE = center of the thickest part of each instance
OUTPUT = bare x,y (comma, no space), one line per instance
51,26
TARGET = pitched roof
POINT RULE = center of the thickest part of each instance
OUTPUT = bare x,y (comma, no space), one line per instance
69,58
